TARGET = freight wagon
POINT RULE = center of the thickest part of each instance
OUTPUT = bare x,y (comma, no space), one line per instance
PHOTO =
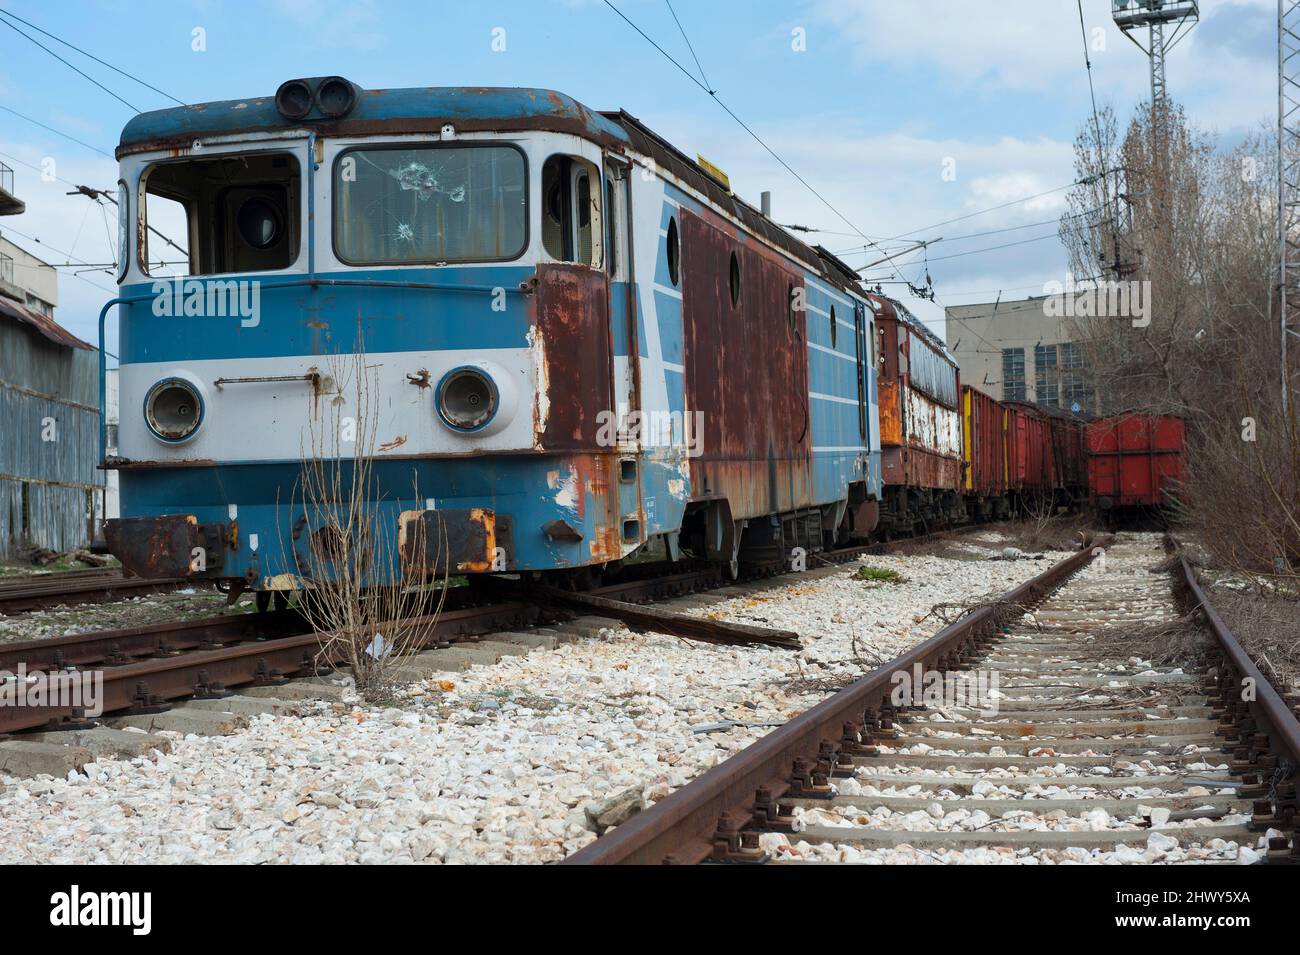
1135,461
920,423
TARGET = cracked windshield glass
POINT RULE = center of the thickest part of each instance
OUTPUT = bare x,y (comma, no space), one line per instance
432,204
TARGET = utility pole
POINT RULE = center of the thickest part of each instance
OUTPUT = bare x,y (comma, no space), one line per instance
1288,171
1156,15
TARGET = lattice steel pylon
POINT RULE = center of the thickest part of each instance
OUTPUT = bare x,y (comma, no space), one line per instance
1156,15
1288,177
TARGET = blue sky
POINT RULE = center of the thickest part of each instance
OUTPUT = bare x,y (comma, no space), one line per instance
884,93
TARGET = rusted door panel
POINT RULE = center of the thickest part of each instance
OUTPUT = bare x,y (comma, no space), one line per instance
747,372
574,358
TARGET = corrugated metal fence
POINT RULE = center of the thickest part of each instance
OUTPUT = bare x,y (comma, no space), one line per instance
49,442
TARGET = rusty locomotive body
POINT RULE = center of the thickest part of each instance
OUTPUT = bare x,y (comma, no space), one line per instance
576,343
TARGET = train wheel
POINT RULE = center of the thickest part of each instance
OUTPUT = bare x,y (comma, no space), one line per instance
263,600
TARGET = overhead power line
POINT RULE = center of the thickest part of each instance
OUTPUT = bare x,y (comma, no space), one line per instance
75,69
743,125
92,56
58,132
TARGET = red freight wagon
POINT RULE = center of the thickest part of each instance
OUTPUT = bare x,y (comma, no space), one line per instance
1069,459
1135,460
1029,449
984,451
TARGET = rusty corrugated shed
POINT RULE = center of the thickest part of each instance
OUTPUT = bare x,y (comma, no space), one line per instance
49,433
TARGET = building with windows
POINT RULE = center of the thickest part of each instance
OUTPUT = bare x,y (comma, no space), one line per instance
1017,351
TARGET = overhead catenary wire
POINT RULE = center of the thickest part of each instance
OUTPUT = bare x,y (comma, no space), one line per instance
689,46
89,55
70,66
57,132
743,125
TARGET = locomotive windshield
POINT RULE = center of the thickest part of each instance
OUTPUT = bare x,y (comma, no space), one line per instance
238,213
430,204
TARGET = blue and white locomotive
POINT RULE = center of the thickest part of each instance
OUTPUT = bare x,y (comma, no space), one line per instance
582,344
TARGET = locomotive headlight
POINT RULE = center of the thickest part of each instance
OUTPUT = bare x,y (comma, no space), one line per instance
467,399
173,409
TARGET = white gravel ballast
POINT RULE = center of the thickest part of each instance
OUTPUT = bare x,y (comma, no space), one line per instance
514,762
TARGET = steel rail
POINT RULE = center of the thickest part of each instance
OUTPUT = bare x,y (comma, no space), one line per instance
151,683
146,666
34,593
683,827
1268,707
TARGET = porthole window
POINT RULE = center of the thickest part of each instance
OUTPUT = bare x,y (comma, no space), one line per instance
833,328
735,280
674,253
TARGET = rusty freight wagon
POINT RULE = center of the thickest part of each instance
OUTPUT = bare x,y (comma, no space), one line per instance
1069,455
984,455
1030,471
1135,460
920,426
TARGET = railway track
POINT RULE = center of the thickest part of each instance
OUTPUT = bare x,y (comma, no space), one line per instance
1074,748
20,595
147,668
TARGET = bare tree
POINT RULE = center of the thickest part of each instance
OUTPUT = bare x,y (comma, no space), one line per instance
370,590
1199,226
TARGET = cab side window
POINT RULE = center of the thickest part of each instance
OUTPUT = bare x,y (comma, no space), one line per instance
571,219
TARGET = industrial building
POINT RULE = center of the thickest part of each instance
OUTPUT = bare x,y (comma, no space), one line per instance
1018,351
50,488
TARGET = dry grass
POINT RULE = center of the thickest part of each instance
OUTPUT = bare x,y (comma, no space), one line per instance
1268,628
1035,534
1181,642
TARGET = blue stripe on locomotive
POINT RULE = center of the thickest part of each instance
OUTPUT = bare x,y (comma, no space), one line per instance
393,318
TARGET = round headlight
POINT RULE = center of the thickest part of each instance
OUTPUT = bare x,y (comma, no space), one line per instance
258,223
335,96
293,99
173,409
467,399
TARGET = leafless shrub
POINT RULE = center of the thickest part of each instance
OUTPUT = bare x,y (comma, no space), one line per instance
370,611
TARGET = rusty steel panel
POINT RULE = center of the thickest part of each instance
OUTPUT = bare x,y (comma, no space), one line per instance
930,426
983,447
165,546
887,382
1135,459
746,372
597,482
1029,448
459,540
914,467
1068,457
572,345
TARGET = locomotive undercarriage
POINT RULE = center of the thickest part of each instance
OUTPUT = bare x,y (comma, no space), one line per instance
907,510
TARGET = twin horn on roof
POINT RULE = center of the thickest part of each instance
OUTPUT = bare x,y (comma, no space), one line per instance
331,96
